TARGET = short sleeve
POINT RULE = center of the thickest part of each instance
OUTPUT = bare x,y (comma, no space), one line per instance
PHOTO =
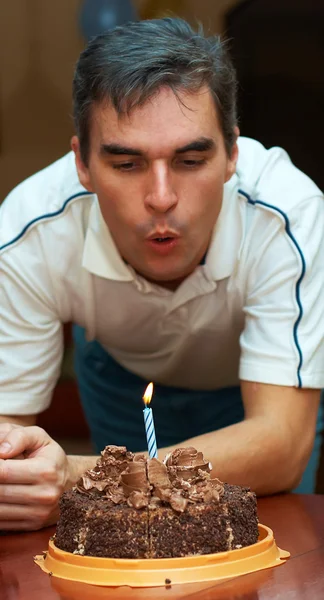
31,341
283,338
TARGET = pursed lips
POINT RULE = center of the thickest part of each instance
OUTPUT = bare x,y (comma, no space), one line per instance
163,235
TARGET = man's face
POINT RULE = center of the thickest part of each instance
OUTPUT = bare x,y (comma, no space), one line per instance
159,175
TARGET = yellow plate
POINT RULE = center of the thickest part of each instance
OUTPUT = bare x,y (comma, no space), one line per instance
152,572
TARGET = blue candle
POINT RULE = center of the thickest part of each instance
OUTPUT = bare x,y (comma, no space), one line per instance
149,423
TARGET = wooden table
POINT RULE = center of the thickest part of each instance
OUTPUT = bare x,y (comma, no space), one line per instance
298,524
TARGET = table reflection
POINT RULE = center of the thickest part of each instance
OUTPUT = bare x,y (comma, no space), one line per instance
9,586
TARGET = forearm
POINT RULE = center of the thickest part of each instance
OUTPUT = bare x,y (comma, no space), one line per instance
250,453
77,466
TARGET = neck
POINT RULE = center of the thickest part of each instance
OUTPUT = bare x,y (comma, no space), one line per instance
169,285
175,283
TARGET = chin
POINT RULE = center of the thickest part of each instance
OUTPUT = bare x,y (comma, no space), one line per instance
168,280
155,273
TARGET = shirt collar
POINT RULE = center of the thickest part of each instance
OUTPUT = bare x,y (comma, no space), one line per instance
224,248
100,254
101,257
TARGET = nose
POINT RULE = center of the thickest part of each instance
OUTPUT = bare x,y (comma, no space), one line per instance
161,196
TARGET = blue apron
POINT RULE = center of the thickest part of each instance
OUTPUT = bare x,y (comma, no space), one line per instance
111,397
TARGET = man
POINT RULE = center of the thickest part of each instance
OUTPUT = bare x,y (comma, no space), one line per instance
183,255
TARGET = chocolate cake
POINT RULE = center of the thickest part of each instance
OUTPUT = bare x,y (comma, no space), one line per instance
131,507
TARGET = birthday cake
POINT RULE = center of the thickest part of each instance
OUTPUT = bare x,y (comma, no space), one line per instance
128,506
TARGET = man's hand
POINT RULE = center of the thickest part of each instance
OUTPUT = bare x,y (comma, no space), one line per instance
34,471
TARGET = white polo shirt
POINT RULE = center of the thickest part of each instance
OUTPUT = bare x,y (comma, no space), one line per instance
253,311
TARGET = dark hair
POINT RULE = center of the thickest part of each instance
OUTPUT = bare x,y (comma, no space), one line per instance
128,64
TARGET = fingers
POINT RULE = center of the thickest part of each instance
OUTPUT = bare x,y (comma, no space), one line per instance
29,494
18,512
28,471
5,428
30,488
21,526
15,440
18,526
26,525
26,517
29,507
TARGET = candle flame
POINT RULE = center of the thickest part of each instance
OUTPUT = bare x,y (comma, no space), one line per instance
148,394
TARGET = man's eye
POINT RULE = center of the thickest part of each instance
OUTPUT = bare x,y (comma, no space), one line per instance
187,162
126,166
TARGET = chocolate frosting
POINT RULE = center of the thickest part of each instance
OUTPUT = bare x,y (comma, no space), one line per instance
186,462
135,484
104,478
121,477
190,479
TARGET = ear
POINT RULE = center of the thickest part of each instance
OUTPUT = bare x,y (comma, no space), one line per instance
82,169
232,160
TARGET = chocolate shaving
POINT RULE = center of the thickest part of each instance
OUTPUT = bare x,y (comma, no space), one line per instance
121,477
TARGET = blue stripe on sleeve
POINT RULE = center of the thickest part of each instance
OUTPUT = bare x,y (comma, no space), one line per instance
298,283
41,217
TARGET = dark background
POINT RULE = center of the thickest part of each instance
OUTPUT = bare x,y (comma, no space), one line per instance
278,50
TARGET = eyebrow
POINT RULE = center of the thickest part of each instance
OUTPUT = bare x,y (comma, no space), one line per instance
202,144
118,150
